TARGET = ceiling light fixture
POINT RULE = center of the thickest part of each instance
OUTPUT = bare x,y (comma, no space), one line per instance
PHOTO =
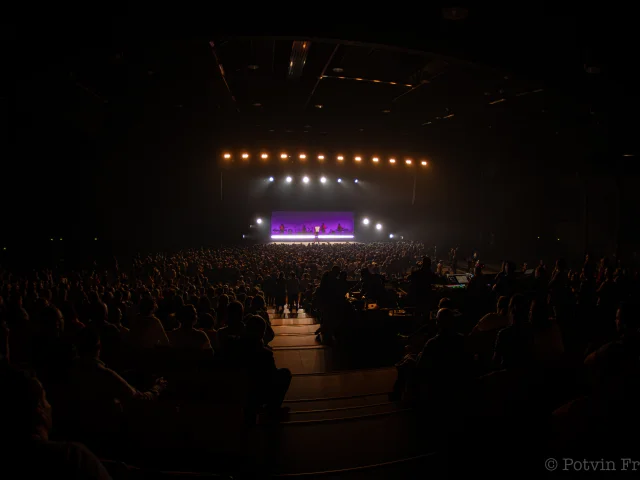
264,156
245,155
392,160
340,158
408,161
357,159
227,155
423,163
302,156
283,156
320,157
375,159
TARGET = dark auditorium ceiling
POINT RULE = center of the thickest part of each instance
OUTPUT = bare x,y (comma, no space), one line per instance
456,74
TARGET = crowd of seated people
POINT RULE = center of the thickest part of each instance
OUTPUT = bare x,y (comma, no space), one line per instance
562,347
98,340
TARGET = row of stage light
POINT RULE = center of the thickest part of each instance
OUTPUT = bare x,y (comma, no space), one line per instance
340,158
306,179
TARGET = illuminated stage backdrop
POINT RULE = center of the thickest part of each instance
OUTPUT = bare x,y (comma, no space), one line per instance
301,225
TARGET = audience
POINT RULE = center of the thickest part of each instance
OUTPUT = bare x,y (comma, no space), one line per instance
91,335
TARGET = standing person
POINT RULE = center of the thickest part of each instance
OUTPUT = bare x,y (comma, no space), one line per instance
280,293
293,291
269,384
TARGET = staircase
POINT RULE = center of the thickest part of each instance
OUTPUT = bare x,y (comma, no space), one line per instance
341,424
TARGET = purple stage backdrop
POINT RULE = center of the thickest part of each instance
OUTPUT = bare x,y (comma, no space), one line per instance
303,223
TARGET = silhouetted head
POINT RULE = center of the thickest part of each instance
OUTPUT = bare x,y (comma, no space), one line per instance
50,322
445,320
255,327
518,309
25,412
187,316
147,306
503,305
628,317
235,313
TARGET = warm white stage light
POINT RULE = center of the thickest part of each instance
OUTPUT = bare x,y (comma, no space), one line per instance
392,160
283,156
302,156
259,221
424,163
323,179
305,179
355,181
320,157
357,159
289,179
376,159
227,155
340,157
264,156
365,221
378,226
339,180
408,161
271,179
245,155
391,235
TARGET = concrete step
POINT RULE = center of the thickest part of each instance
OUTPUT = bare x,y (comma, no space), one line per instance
343,412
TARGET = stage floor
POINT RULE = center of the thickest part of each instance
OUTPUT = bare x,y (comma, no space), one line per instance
308,242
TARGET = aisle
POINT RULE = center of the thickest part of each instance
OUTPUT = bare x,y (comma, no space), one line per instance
339,419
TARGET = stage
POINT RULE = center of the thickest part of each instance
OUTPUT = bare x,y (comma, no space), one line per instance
311,242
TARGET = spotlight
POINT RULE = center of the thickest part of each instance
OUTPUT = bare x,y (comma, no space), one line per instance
392,160
340,158
339,180
391,235
355,181
271,179
259,221
320,157
365,221
323,180
302,156
289,179
283,156
358,159
264,156
376,159
305,179
378,226
408,161
227,155
424,163
245,155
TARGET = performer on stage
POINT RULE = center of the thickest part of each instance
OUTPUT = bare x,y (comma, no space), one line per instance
340,229
282,228
304,229
323,228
